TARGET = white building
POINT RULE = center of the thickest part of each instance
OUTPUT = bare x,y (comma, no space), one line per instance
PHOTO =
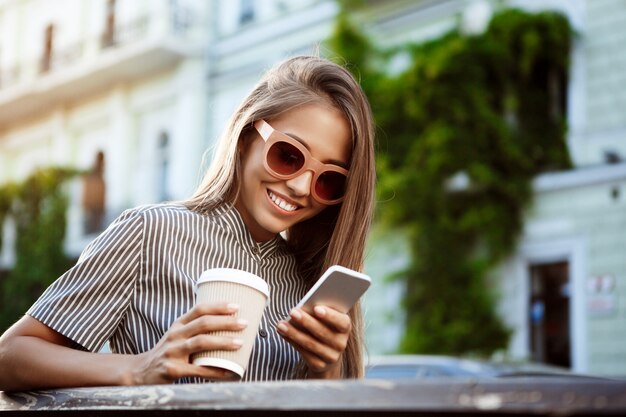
125,78
154,98
569,272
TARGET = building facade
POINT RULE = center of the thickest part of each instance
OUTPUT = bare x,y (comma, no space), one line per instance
149,85
119,84
563,292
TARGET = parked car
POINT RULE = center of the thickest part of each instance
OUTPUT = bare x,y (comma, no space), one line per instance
435,366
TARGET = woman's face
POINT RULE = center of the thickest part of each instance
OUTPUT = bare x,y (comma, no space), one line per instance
269,205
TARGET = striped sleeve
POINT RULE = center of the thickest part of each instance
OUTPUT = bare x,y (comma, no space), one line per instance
87,303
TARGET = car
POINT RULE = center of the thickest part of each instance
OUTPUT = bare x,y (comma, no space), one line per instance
424,366
441,366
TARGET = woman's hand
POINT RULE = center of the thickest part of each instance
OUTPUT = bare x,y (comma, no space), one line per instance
321,339
170,358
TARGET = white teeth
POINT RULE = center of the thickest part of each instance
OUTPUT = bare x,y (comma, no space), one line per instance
281,203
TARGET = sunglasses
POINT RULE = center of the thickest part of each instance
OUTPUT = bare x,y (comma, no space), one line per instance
286,158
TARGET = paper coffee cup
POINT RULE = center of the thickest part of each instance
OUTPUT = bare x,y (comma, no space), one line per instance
247,290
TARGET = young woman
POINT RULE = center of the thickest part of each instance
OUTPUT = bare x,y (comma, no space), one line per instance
296,157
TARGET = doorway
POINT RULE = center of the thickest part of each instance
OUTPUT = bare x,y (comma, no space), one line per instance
549,321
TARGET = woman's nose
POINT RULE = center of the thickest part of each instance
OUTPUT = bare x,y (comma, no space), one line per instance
301,185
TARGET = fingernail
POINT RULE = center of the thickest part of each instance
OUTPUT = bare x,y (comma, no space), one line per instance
320,311
296,314
282,327
238,342
233,307
242,322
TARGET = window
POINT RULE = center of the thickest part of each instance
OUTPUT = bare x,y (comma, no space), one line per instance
181,17
108,36
246,11
46,59
163,166
94,190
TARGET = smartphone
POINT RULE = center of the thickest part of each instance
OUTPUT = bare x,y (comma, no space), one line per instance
339,288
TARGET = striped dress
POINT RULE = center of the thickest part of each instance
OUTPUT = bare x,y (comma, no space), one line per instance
138,277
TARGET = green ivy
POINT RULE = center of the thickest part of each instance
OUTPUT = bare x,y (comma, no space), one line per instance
486,108
38,206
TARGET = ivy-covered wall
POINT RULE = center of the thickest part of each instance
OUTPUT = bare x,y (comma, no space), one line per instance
462,131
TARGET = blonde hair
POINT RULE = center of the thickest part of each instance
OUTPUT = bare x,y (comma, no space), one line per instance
337,235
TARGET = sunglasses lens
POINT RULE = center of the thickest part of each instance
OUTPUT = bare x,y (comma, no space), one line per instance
330,185
284,158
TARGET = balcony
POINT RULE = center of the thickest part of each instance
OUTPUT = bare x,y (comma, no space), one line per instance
131,51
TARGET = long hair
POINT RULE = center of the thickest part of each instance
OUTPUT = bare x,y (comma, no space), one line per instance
338,234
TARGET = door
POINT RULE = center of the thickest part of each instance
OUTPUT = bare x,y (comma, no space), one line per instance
549,321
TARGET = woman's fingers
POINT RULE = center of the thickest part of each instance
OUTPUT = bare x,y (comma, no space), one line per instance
306,342
205,318
332,328
205,309
314,362
317,356
206,324
202,342
339,321
189,334
321,338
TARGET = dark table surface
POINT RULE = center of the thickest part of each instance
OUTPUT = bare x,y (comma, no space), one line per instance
444,397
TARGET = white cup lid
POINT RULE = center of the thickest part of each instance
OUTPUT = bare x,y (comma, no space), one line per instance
237,276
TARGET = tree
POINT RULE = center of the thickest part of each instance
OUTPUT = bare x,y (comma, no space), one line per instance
38,207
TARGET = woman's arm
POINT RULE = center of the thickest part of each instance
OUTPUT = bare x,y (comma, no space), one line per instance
32,355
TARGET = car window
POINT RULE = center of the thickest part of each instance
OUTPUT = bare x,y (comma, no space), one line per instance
432,371
391,372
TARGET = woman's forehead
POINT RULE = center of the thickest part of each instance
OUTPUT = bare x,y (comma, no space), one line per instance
323,130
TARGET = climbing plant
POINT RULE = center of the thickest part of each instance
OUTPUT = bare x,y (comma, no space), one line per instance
462,130
38,209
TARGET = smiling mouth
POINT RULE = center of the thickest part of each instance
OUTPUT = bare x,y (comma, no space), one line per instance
281,203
